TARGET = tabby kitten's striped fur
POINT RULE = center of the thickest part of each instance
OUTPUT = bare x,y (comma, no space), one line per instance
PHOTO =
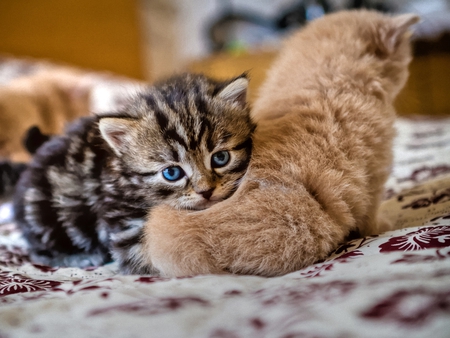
185,143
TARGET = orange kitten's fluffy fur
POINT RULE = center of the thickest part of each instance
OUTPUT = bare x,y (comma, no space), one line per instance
322,153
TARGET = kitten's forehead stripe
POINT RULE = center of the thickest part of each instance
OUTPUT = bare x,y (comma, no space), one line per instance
162,120
201,105
193,144
172,134
155,103
203,127
173,97
195,141
175,155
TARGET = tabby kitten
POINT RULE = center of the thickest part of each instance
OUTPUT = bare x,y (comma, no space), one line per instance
322,152
185,143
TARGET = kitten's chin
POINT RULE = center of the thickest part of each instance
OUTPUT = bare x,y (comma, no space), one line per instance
203,205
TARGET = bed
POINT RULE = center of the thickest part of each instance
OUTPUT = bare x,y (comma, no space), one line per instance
396,284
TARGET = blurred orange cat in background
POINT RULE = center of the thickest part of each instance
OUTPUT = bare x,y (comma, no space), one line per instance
48,99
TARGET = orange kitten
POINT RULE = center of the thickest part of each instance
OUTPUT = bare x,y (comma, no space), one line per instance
322,152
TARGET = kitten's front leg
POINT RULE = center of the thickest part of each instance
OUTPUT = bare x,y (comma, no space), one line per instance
127,249
175,246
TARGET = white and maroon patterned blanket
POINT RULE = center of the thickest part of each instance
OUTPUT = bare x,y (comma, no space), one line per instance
393,285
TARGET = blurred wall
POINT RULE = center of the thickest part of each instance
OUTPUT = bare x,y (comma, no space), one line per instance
94,34
175,33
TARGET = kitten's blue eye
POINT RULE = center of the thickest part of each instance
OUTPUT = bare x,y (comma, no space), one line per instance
220,159
173,173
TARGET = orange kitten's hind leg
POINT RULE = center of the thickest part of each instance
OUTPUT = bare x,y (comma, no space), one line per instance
286,233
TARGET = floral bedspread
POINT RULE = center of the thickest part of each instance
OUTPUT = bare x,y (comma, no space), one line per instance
396,284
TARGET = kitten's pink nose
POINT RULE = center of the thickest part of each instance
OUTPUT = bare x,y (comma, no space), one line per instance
206,194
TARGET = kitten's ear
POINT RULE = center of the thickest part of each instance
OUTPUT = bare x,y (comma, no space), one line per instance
117,133
398,27
236,91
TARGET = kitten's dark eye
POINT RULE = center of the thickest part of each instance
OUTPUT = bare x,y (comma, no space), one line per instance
220,159
173,173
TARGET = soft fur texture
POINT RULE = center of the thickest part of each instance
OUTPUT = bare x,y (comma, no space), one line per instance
322,152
